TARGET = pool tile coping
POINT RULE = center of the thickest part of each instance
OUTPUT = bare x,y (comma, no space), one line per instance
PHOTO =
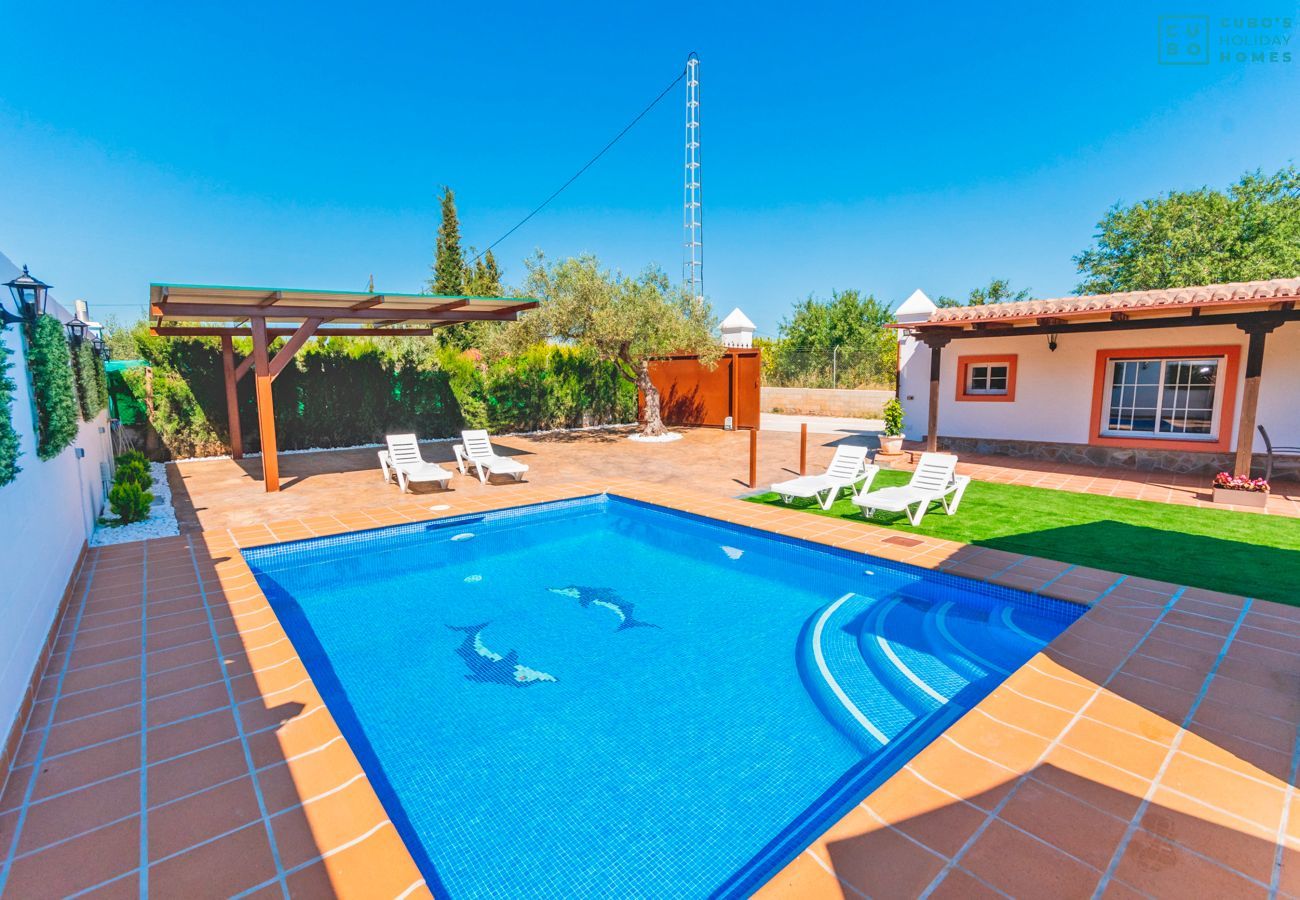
319,821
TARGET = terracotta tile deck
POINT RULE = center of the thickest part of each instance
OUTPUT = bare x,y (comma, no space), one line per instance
177,746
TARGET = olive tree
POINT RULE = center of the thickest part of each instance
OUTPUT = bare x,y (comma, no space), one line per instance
625,320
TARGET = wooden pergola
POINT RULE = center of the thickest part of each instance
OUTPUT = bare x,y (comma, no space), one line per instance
192,310
1257,308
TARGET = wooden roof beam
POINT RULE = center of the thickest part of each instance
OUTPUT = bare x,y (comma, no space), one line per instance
226,312
271,299
243,331
368,302
1119,317
291,347
1050,321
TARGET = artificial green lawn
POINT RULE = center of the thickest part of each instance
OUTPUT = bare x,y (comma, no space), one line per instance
1242,553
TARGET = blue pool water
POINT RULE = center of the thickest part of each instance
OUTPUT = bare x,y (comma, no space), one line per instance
602,697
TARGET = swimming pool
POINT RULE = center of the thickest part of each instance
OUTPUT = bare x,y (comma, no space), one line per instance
604,697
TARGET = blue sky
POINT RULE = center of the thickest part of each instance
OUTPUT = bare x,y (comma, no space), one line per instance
883,148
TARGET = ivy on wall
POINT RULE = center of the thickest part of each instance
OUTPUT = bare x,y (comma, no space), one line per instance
92,381
49,363
8,437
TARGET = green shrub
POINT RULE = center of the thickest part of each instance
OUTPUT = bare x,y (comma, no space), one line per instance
343,391
893,414
91,381
9,448
130,502
49,362
135,470
129,456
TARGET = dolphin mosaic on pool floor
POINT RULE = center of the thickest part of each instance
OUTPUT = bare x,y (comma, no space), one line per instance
177,746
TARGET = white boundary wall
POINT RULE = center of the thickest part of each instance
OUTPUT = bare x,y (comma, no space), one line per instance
46,516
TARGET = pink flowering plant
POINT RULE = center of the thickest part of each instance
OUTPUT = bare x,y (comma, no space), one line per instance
1228,481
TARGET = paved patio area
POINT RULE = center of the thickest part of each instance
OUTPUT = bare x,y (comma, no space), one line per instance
178,746
224,493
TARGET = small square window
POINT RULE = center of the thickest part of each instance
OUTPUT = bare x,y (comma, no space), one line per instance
986,378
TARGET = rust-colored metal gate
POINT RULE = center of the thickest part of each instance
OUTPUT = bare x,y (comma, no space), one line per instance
693,394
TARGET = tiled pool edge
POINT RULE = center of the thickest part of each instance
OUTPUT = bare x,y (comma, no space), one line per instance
964,774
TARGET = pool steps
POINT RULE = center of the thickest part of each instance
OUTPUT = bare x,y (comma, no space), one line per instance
875,665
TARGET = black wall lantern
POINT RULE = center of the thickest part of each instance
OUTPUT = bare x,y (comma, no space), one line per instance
29,299
97,344
76,331
1051,341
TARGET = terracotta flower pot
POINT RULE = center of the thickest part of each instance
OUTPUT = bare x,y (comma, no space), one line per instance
891,445
1256,499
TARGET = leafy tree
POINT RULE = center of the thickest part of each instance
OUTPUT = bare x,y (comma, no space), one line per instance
998,290
626,321
449,260
846,334
1250,231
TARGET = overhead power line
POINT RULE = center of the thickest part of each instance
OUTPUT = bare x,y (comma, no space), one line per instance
576,175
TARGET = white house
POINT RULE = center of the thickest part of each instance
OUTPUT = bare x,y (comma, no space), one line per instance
1175,379
737,330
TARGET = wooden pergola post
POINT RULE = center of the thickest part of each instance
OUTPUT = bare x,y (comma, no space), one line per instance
1258,331
265,407
232,400
936,343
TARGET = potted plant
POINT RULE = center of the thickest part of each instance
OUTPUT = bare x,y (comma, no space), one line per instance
891,443
1240,490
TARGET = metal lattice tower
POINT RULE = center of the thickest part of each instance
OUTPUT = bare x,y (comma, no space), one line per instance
692,214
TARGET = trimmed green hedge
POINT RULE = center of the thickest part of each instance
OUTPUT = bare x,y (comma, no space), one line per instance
49,363
9,448
344,391
91,379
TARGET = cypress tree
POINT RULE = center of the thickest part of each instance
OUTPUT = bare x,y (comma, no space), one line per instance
449,260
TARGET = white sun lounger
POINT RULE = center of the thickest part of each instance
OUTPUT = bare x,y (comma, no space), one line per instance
403,459
476,450
935,478
847,468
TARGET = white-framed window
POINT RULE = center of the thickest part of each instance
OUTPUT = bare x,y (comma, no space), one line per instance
1163,398
990,379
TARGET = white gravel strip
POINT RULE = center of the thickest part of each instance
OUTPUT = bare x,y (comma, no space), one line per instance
161,521
655,439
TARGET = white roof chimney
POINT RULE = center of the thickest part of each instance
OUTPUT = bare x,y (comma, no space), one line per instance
737,330
916,308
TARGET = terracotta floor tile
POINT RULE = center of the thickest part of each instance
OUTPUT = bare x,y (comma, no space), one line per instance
92,729
1258,802
191,734
1158,867
327,823
1119,712
1211,833
78,864
184,823
930,816
959,884
962,773
67,815
222,867
883,863
378,866
1065,821
1107,786
81,767
196,771
1023,867
1121,749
